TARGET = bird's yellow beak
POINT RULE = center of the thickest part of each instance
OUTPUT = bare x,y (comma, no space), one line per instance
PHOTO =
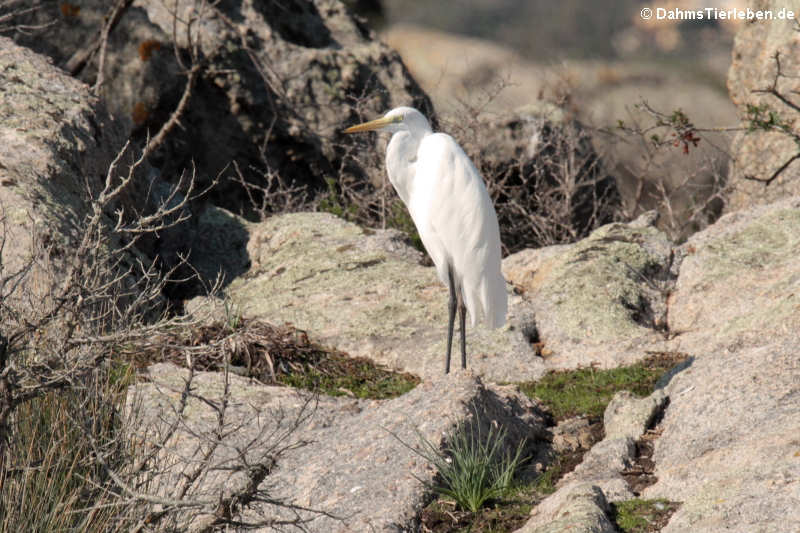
376,124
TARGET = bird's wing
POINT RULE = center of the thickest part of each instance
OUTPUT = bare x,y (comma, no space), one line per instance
458,225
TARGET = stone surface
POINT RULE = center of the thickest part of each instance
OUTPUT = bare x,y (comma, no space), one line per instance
625,420
754,68
601,300
729,450
279,82
56,143
353,459
366,294
607,292
627,416
453,69
576,508
738,282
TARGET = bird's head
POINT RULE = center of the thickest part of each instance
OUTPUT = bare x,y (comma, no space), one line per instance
398,119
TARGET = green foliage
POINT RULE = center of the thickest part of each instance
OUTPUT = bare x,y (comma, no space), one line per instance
473,468
233,315
764,118
330,202
587,391
643,516
356,377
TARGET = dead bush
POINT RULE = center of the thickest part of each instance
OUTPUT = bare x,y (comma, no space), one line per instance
686,202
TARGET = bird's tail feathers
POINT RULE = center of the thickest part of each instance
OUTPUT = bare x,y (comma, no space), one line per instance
488,302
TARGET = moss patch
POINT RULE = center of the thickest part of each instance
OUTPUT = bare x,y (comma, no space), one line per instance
587,391
643,516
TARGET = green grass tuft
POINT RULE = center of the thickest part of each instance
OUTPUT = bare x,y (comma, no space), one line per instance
473,468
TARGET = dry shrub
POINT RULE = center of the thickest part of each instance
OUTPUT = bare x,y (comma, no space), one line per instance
552,188
670,165
67,413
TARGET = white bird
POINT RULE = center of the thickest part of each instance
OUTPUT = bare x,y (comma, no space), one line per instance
448,201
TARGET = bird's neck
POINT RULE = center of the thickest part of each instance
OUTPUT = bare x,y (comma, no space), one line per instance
401,157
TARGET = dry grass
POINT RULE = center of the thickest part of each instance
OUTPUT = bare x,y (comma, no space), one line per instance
272,355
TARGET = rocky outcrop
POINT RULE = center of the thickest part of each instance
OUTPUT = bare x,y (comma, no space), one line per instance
729,444
729,450
275,85
625,421
762,47
738,281
602,300
726,421
578,508
56,144
366,293
278,82
726,447
353,459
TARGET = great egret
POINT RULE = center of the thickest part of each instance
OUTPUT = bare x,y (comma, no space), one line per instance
456,221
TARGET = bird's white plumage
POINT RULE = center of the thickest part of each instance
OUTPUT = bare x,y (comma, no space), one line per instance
457,220
451,208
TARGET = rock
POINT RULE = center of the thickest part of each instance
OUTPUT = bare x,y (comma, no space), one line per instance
601,300
754,68
738,281
520,268
369,296
213,242
56,144
369,477
279,82
627,416
602,466
572,435
454,69
574,508
729,449
625,420
371,10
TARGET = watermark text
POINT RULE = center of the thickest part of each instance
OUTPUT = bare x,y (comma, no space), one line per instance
715,13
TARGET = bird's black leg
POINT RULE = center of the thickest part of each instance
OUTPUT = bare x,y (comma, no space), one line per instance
462,316
451,306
